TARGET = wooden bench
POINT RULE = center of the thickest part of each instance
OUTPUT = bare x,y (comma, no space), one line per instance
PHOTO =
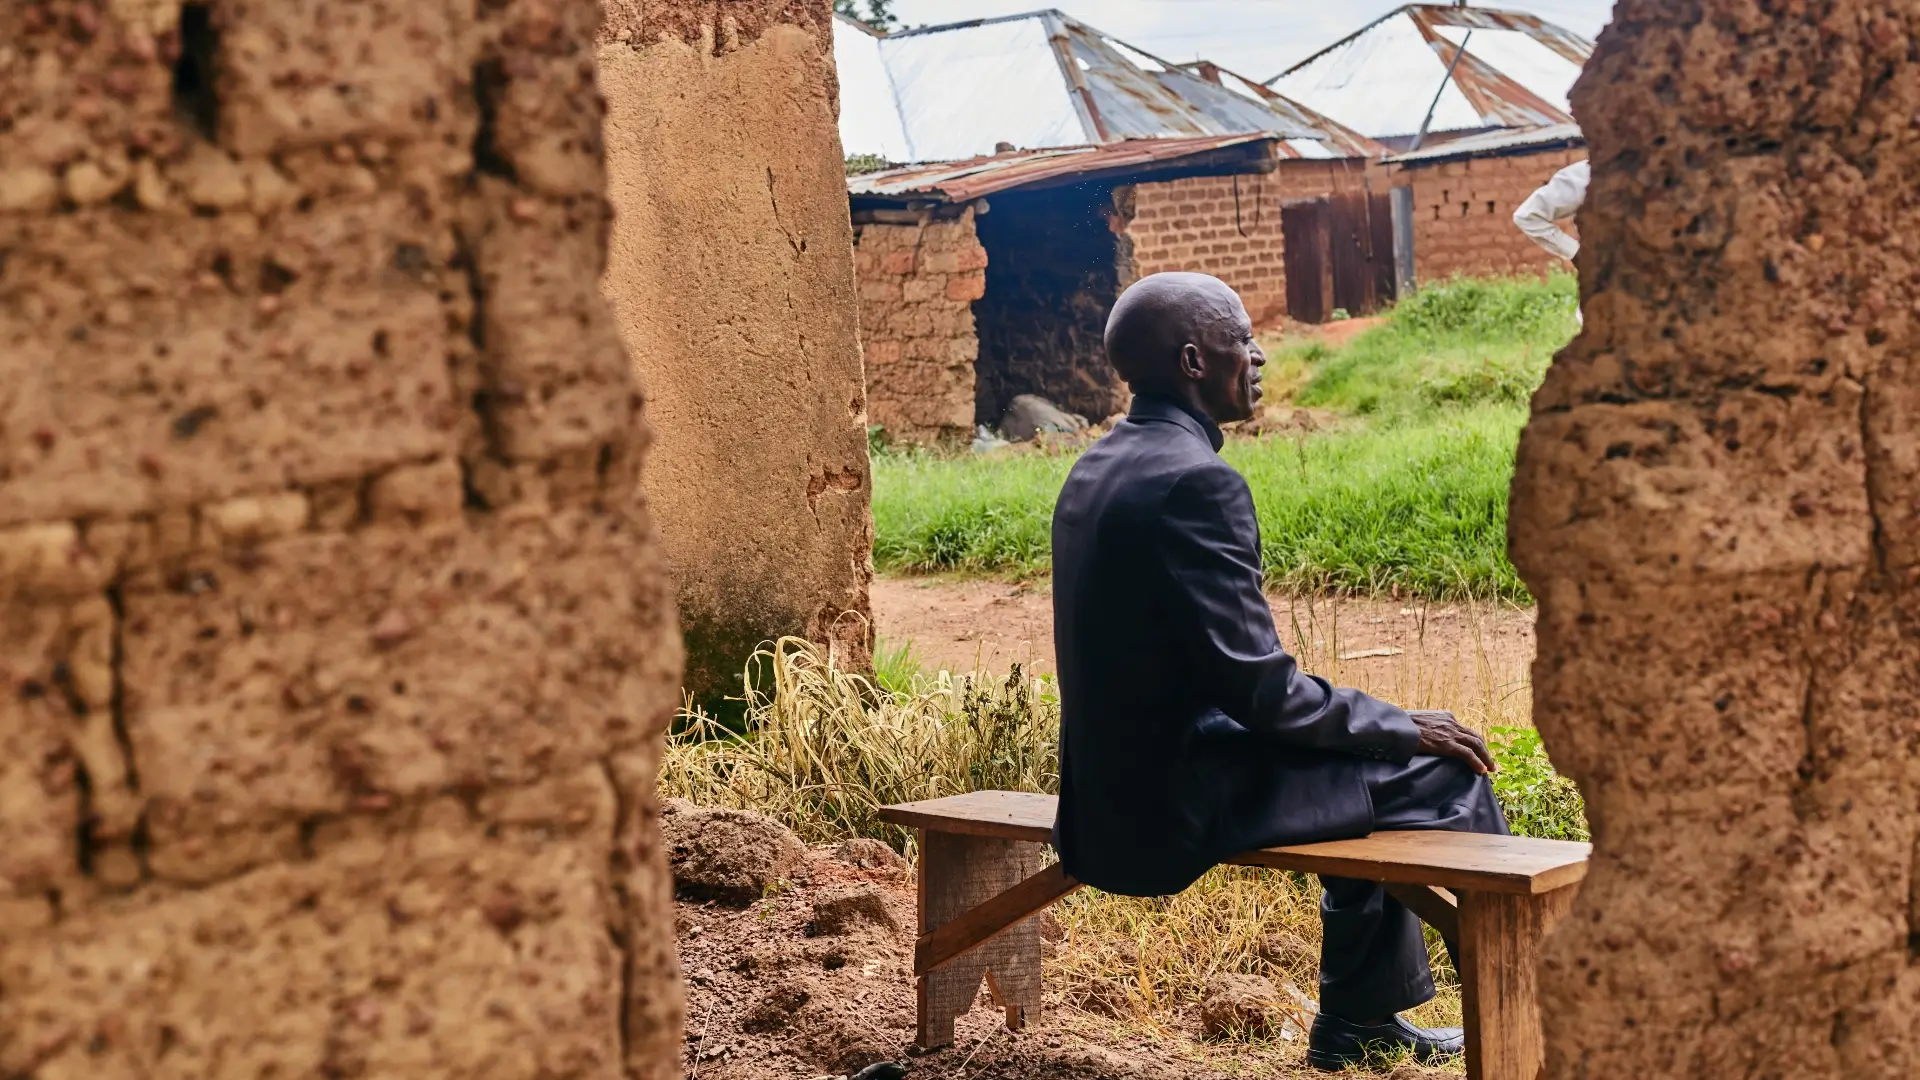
981,882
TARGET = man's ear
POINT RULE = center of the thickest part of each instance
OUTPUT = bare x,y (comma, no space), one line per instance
1191,364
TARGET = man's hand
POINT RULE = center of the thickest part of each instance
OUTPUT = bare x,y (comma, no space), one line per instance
1443,736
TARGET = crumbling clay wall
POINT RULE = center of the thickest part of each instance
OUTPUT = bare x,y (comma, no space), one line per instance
918,282
1718,507
1229,226
732,280
1463,214
337,647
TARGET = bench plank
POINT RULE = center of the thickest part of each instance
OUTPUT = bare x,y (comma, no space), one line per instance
1005,815
1459,861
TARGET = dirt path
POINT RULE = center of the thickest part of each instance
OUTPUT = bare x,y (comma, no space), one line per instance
1471,658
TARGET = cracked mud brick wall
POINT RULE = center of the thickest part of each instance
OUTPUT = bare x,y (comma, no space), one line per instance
732,281
1056,260
337,646
918,283
1718,507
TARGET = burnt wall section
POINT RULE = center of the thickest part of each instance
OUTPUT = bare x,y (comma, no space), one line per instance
338,647
1463,214
919,276
1055,265
1229,226
1718,506
732,280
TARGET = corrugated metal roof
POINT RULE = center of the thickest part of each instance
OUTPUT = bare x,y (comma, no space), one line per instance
1036,81
963,181
1504,140
1337,140
1513,70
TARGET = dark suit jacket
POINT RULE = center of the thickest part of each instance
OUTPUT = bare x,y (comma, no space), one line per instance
1187,733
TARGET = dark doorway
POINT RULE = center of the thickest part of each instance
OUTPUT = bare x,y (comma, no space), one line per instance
1052,277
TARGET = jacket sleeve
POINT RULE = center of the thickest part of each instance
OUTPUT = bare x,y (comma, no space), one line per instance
1210,543
1557,201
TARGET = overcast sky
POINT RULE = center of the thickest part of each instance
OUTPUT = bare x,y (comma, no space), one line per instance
1257,38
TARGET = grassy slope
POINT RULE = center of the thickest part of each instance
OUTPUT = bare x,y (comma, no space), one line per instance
1411,497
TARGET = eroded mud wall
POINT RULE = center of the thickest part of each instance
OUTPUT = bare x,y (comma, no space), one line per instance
1718,507
732,279
337,648
918,283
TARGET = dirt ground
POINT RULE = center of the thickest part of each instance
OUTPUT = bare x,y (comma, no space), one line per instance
770,997
1471,658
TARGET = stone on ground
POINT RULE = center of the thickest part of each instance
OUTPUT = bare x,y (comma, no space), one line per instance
840,907
727,855
868,854
1030,414
1253,1007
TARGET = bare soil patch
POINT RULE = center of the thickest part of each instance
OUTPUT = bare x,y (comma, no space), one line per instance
773,995
1469,657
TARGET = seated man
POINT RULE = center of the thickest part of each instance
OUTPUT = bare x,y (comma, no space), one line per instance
1188,734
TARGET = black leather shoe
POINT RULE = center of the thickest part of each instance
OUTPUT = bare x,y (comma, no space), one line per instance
1335,1044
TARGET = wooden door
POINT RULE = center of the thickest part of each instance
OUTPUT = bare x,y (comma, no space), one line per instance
1304,230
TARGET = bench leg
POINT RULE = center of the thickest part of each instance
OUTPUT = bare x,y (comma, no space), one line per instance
1500,939
958,873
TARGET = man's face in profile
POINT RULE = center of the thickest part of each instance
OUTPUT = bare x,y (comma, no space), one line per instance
1231,361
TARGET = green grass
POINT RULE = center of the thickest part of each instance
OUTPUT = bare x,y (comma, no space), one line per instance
1421,509
1409,499
1466,343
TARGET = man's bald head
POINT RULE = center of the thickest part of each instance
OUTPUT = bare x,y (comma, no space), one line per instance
1187,336
1160,315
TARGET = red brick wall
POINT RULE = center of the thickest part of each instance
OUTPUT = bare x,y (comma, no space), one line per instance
917,288
1463,214
1199,225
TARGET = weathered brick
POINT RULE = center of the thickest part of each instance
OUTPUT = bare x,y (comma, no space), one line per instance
969,286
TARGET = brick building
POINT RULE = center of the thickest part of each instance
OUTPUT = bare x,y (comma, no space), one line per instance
1229,226
1464,195
983,280
1129,166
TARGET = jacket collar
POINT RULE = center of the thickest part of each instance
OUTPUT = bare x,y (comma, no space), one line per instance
1176,412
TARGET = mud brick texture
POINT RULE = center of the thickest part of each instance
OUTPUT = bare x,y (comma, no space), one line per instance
917,288
1463,214
1229,226
338,645
1717,504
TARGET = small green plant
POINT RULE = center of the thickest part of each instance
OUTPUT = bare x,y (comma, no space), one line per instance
1538,801
1339,314
896,669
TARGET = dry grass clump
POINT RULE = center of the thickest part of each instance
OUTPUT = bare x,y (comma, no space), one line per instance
824,749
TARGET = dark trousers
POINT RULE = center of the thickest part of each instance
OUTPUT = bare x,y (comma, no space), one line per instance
1373,958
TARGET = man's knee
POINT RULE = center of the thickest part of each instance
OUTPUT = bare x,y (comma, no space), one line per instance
1465,798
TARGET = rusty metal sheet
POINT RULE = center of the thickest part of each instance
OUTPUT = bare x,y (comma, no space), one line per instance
1502,141
963,181
1515,71
1037,81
